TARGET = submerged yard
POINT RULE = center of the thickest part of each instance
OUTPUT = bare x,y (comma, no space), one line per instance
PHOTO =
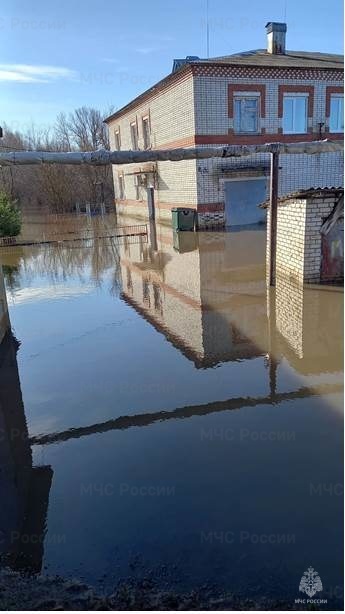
175,420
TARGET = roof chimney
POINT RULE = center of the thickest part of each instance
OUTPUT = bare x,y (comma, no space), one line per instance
275,37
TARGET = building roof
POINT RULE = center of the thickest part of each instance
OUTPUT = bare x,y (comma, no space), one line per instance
308,193
256,57
289,59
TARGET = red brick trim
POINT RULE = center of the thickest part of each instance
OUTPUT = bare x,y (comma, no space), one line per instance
246,87
246,139
210,207
331,89
258,139
158,204
201,208
248,71
296,89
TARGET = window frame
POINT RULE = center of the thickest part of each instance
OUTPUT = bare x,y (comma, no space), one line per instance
117,139
146,119
295,96
135,145
137,187
238,95
341,129
122,188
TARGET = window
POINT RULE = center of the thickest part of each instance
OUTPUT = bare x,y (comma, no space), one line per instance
117,140
295,114
146,132
121,187
246,114
336,120
134,135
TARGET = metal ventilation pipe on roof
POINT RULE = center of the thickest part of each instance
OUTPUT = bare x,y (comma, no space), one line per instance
276,33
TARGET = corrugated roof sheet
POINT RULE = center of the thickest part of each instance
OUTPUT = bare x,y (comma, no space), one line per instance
319,191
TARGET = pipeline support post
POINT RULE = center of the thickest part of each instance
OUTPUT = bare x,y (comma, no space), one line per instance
273,215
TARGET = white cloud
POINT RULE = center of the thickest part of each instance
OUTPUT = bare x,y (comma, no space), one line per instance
146,50
31,73
30,295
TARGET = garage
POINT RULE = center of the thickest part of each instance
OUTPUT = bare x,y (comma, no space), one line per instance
242,198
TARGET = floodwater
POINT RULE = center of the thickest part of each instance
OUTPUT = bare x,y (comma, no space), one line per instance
163,414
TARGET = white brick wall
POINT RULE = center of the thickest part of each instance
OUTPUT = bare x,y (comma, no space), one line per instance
172,119
211,102
297,171
298,249
291,222
198,105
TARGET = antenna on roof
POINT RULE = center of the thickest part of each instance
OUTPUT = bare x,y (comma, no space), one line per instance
285,2
207,32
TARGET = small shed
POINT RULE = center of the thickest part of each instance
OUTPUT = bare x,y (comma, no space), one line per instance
309,238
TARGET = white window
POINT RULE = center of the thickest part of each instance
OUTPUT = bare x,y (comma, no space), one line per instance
336,120
117,139
295,119
134,135
246,114
121,187
146,132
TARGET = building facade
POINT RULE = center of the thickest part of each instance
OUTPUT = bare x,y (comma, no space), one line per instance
249,98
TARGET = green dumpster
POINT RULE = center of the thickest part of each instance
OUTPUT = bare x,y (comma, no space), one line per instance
183,218
185,241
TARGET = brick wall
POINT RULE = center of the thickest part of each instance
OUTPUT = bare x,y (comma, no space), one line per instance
212,115
172,125
291,223
298,251
214,121
195,109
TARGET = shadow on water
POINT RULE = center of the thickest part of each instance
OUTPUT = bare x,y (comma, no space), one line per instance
178,333
25,488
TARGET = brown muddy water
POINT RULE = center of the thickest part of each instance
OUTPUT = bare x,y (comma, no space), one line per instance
162,414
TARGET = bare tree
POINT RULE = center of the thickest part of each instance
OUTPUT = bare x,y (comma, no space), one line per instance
60,187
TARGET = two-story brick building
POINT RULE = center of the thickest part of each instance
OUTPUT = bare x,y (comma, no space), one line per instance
260,96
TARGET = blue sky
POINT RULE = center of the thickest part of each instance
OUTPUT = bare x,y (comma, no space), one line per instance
56,56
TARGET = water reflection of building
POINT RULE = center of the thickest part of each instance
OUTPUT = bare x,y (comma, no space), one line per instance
205,292
309,321
24,488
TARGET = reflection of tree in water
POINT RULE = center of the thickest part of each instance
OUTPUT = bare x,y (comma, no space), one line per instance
12,276
81,260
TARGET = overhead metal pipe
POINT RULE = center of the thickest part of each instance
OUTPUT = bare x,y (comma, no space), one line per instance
102,157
